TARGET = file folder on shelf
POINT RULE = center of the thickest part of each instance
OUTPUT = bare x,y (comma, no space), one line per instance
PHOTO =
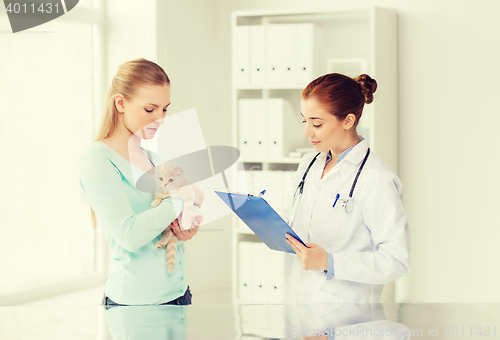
245,282
274,38
257,55
241,61
284,125
252,132
261,218
287,51
260,268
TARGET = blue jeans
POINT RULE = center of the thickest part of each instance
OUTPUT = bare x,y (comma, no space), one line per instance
182,300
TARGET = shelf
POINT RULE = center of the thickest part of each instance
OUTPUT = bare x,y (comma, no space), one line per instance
358,11
248,236
285,160
244,232
272,87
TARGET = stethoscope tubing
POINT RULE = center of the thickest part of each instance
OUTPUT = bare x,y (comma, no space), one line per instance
302,182
359,172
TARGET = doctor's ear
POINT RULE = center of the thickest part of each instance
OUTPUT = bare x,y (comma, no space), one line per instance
349,121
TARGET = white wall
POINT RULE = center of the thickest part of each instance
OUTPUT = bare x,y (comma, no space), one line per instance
131,31
194,66
449,55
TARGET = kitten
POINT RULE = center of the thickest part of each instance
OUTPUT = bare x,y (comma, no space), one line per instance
171,183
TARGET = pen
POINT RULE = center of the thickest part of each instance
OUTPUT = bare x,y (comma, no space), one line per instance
336,199
262,193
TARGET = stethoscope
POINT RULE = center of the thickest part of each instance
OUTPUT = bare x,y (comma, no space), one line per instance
348,204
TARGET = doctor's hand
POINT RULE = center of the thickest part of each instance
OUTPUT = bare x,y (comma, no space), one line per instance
312,258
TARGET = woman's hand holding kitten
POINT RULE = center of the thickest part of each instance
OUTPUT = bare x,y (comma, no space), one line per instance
183,235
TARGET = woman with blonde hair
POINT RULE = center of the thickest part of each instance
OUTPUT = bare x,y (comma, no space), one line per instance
135,107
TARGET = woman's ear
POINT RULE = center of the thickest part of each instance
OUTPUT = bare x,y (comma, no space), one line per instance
119,103
349,121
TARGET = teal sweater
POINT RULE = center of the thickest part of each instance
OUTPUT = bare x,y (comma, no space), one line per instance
138,274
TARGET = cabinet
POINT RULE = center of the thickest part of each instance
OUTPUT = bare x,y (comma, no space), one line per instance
275,54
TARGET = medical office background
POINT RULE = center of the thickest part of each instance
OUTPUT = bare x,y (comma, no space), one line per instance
50,89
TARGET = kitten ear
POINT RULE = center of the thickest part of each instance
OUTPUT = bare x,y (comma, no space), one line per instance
178,170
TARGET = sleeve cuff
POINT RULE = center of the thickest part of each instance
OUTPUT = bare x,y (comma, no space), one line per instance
330,273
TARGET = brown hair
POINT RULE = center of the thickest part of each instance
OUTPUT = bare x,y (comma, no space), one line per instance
130,76
341,95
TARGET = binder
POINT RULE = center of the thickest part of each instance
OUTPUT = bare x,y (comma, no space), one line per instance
257,55
280,54
260,273
286,128
260,268
269,129
274,37
276,276
288,51
305,50
245,136
262,219
241,48
310,52
245,271
280,113
275,107
253,132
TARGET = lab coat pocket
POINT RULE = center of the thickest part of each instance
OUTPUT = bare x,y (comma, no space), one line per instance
346,291
326,297
331,226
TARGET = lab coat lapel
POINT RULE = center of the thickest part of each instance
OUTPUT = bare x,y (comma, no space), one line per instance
329,173
314,175
308,198
357,153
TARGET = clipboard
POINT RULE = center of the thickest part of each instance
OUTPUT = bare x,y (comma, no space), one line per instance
261,218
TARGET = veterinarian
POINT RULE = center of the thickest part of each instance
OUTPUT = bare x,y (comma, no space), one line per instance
135,107
350,213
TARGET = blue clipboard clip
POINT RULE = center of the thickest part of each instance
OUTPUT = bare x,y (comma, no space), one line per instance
262,219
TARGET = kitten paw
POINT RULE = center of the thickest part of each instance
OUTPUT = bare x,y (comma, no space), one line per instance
156,202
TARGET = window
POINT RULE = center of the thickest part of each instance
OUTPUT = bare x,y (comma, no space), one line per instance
50,89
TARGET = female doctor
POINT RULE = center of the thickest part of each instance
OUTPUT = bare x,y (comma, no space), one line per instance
347,207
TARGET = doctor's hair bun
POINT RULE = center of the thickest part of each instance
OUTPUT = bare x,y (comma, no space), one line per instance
368,86
341,95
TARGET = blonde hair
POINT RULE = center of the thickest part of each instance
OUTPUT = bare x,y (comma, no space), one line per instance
130,76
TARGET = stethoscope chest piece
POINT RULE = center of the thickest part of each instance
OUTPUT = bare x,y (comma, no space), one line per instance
348,205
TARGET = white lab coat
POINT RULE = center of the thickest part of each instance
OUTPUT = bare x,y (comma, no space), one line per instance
370,245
